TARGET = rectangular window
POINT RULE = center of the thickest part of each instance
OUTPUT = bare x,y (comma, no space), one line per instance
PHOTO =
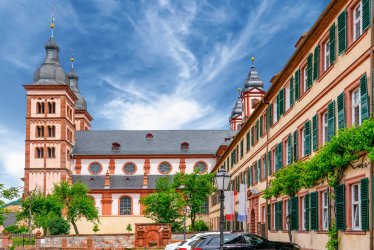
288,158
275,112
357,22
325,129
305,79
302,142
356,207
304,213
356,107
288,103
263,213
325,211
326,47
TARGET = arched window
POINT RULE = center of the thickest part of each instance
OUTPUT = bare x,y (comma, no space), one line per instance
149,136
201,167
185,146
164,167
51,152
115,146
39,131
51,107
51,131
39,152
129,168
125,205
40,107
95,168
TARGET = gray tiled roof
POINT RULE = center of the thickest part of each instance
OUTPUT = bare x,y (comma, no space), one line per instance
134,142
96,182
10,219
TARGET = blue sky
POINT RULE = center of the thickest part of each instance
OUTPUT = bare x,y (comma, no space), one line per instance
145,64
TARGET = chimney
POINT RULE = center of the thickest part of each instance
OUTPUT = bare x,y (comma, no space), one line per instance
107,180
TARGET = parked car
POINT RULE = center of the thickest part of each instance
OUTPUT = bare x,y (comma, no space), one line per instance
236,241
186,245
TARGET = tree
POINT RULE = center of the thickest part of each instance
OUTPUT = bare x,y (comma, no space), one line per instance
165,204
58,226
76,203
196,189
8,194
129,228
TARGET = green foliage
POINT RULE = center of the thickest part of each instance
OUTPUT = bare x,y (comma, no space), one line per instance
129,228
15,229
96,228
76,202
58,226
196,190
333,242
164,205
22,241
200,226
8,194
328,164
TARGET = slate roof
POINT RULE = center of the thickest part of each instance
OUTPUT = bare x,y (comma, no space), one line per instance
96,182
134,142
10,219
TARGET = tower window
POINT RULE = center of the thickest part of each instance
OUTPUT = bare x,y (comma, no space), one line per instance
51,107
39,131
40,107
51,131
39,152
51,152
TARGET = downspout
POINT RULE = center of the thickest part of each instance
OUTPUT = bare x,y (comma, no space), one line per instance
371,189
267,124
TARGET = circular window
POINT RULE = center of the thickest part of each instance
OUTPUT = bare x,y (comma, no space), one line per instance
129,168
164,167
201,167
95,168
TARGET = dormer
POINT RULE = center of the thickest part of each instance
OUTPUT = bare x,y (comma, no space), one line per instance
185,146
149,136
115,146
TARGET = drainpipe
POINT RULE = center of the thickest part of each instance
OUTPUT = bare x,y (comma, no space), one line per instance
267,166
371,189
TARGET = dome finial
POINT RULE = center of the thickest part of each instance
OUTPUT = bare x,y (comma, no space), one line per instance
239,90
72,58
52,25
253,61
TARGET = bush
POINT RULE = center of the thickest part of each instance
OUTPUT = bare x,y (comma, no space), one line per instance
17,229
58,226
200,226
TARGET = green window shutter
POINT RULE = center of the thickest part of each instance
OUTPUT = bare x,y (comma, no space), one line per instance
268,217
331,120
250,176
342,32
261,126
297,84
258,177
257,130
340,206
278,106
365,14
332,44
307,138
292,91
295,146
280,155
316,63
253,136
281,102
270,115
341,113
289,149
307,209
314,211
295,213
280,215
269,161
265,166
315,132
309,70
248,141
276,226
364,98
365,203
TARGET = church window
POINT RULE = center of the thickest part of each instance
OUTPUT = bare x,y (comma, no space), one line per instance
51,107
51,131
40,107
95,168
39,131
129,168
201,167
164,167
51,152
125,205
39,152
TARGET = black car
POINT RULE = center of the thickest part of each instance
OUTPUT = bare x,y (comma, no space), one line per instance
233,241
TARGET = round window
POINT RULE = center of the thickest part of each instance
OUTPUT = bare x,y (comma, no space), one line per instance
201,167
164,167
95,168
129,168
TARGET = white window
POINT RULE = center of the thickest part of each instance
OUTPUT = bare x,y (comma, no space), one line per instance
287,213
288,104
357,22
356,207
263,214
356,107
288,159
327,55
275,113
305,74
304,213
325,127
302,142
325,211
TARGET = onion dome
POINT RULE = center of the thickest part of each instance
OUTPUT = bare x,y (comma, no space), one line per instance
238,109
51,72
80,104
253,80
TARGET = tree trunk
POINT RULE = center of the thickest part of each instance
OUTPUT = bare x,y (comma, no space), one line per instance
75,227
193,218
288,221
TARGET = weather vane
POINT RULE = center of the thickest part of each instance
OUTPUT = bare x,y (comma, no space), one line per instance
72,58
52,25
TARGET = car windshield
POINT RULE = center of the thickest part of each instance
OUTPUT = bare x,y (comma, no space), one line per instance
253,239
192,242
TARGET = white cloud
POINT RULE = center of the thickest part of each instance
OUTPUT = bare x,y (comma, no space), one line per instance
12,156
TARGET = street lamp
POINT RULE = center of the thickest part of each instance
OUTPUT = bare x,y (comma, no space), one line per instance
185,212
222,182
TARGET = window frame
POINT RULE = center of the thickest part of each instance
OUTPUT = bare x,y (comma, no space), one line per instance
356,20
354,105
93,173
127,172
324,210
159,170
119,205
353,204
287,100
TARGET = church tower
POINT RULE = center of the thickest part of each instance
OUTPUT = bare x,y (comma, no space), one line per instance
50,118
236,118
252,92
